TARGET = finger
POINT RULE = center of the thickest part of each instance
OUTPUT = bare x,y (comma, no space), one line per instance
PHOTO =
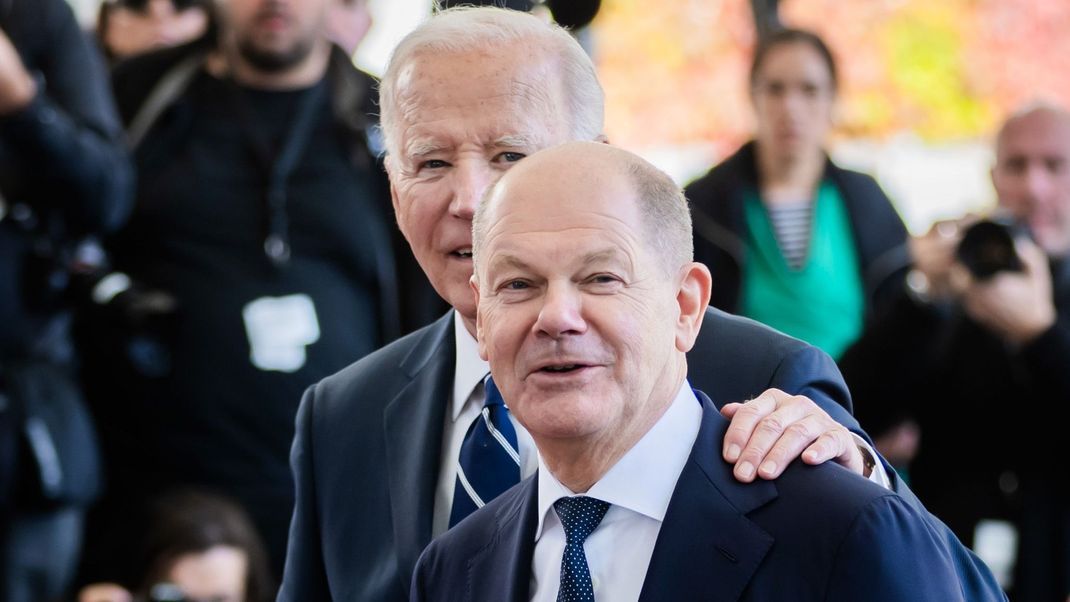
729,410
744,421
765,435
1034,258
796,437
838,446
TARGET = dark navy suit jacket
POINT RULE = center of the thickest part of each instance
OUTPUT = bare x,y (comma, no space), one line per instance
817,533
367,451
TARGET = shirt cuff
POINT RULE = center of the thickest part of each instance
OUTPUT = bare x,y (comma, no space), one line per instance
877,475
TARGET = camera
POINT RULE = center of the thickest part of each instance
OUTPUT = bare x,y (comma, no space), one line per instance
987,247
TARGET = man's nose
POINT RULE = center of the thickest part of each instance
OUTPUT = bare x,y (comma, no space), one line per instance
1038,185
469,184
562,312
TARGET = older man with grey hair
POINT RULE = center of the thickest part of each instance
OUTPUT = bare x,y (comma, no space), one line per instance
403,444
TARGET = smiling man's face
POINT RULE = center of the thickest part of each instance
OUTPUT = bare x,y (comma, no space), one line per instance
463,119
578,313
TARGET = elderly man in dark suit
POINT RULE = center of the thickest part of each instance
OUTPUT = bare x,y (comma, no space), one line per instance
588,299
379,455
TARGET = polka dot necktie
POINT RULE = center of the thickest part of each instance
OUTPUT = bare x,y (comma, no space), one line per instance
488,463
580,517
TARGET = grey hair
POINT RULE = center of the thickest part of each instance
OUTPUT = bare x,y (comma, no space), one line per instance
665,212
663,209
466,28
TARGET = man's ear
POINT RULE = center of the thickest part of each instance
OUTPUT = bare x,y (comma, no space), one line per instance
692,298
473,283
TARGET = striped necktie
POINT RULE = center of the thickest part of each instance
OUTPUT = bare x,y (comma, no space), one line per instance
488,463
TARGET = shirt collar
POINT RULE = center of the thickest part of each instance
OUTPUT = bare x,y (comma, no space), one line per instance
469,369
644,478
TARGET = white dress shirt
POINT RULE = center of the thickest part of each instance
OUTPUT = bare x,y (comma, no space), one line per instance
638,487
466,403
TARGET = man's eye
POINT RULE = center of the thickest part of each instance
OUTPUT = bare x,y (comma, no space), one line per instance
603,279
510,156
433,164
515,285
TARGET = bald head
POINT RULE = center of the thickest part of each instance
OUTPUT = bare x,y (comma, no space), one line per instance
1032,173
570,175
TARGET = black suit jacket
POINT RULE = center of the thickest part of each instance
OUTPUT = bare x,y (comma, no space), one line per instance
367,450
817,533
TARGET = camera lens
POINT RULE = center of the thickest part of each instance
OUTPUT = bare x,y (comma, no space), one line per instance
987,248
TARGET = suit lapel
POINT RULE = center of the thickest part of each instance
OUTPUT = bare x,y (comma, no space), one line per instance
502,570
707,543
413,433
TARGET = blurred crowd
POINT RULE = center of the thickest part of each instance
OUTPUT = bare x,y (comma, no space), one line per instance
196,226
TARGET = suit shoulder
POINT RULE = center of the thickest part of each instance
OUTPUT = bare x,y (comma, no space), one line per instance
829,489
722,336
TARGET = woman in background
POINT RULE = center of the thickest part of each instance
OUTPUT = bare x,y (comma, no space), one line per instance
793,240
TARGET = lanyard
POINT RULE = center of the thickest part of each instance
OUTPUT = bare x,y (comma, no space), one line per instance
280,165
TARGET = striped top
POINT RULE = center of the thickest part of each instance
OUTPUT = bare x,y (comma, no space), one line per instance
791,226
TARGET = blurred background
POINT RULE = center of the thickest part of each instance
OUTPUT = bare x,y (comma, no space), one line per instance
924,83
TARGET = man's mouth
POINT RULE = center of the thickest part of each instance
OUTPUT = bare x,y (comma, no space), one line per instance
563,368
464,253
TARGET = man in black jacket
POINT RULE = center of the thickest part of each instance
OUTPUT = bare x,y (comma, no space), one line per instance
978,359
63,175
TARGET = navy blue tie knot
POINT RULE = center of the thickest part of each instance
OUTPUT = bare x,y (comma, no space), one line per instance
580,516
489,462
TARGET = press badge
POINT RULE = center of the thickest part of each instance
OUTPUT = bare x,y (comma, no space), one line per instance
280,329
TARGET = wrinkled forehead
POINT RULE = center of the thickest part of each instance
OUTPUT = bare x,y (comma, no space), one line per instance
479,95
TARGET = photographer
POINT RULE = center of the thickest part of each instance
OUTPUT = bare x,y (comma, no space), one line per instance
981,353
63,176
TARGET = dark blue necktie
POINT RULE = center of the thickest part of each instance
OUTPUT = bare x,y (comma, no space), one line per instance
580,517
488,463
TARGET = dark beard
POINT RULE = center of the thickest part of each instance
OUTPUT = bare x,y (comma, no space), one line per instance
268,61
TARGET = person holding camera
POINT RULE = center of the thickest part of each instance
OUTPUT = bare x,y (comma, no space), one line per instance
977,352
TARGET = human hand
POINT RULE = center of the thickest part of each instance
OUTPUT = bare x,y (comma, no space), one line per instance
17,86
104,592
1016,306
131,32
933,254
775,428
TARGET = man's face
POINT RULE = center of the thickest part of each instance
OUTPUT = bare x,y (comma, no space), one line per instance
1032,176
463,120
577,313
275,35
793,98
